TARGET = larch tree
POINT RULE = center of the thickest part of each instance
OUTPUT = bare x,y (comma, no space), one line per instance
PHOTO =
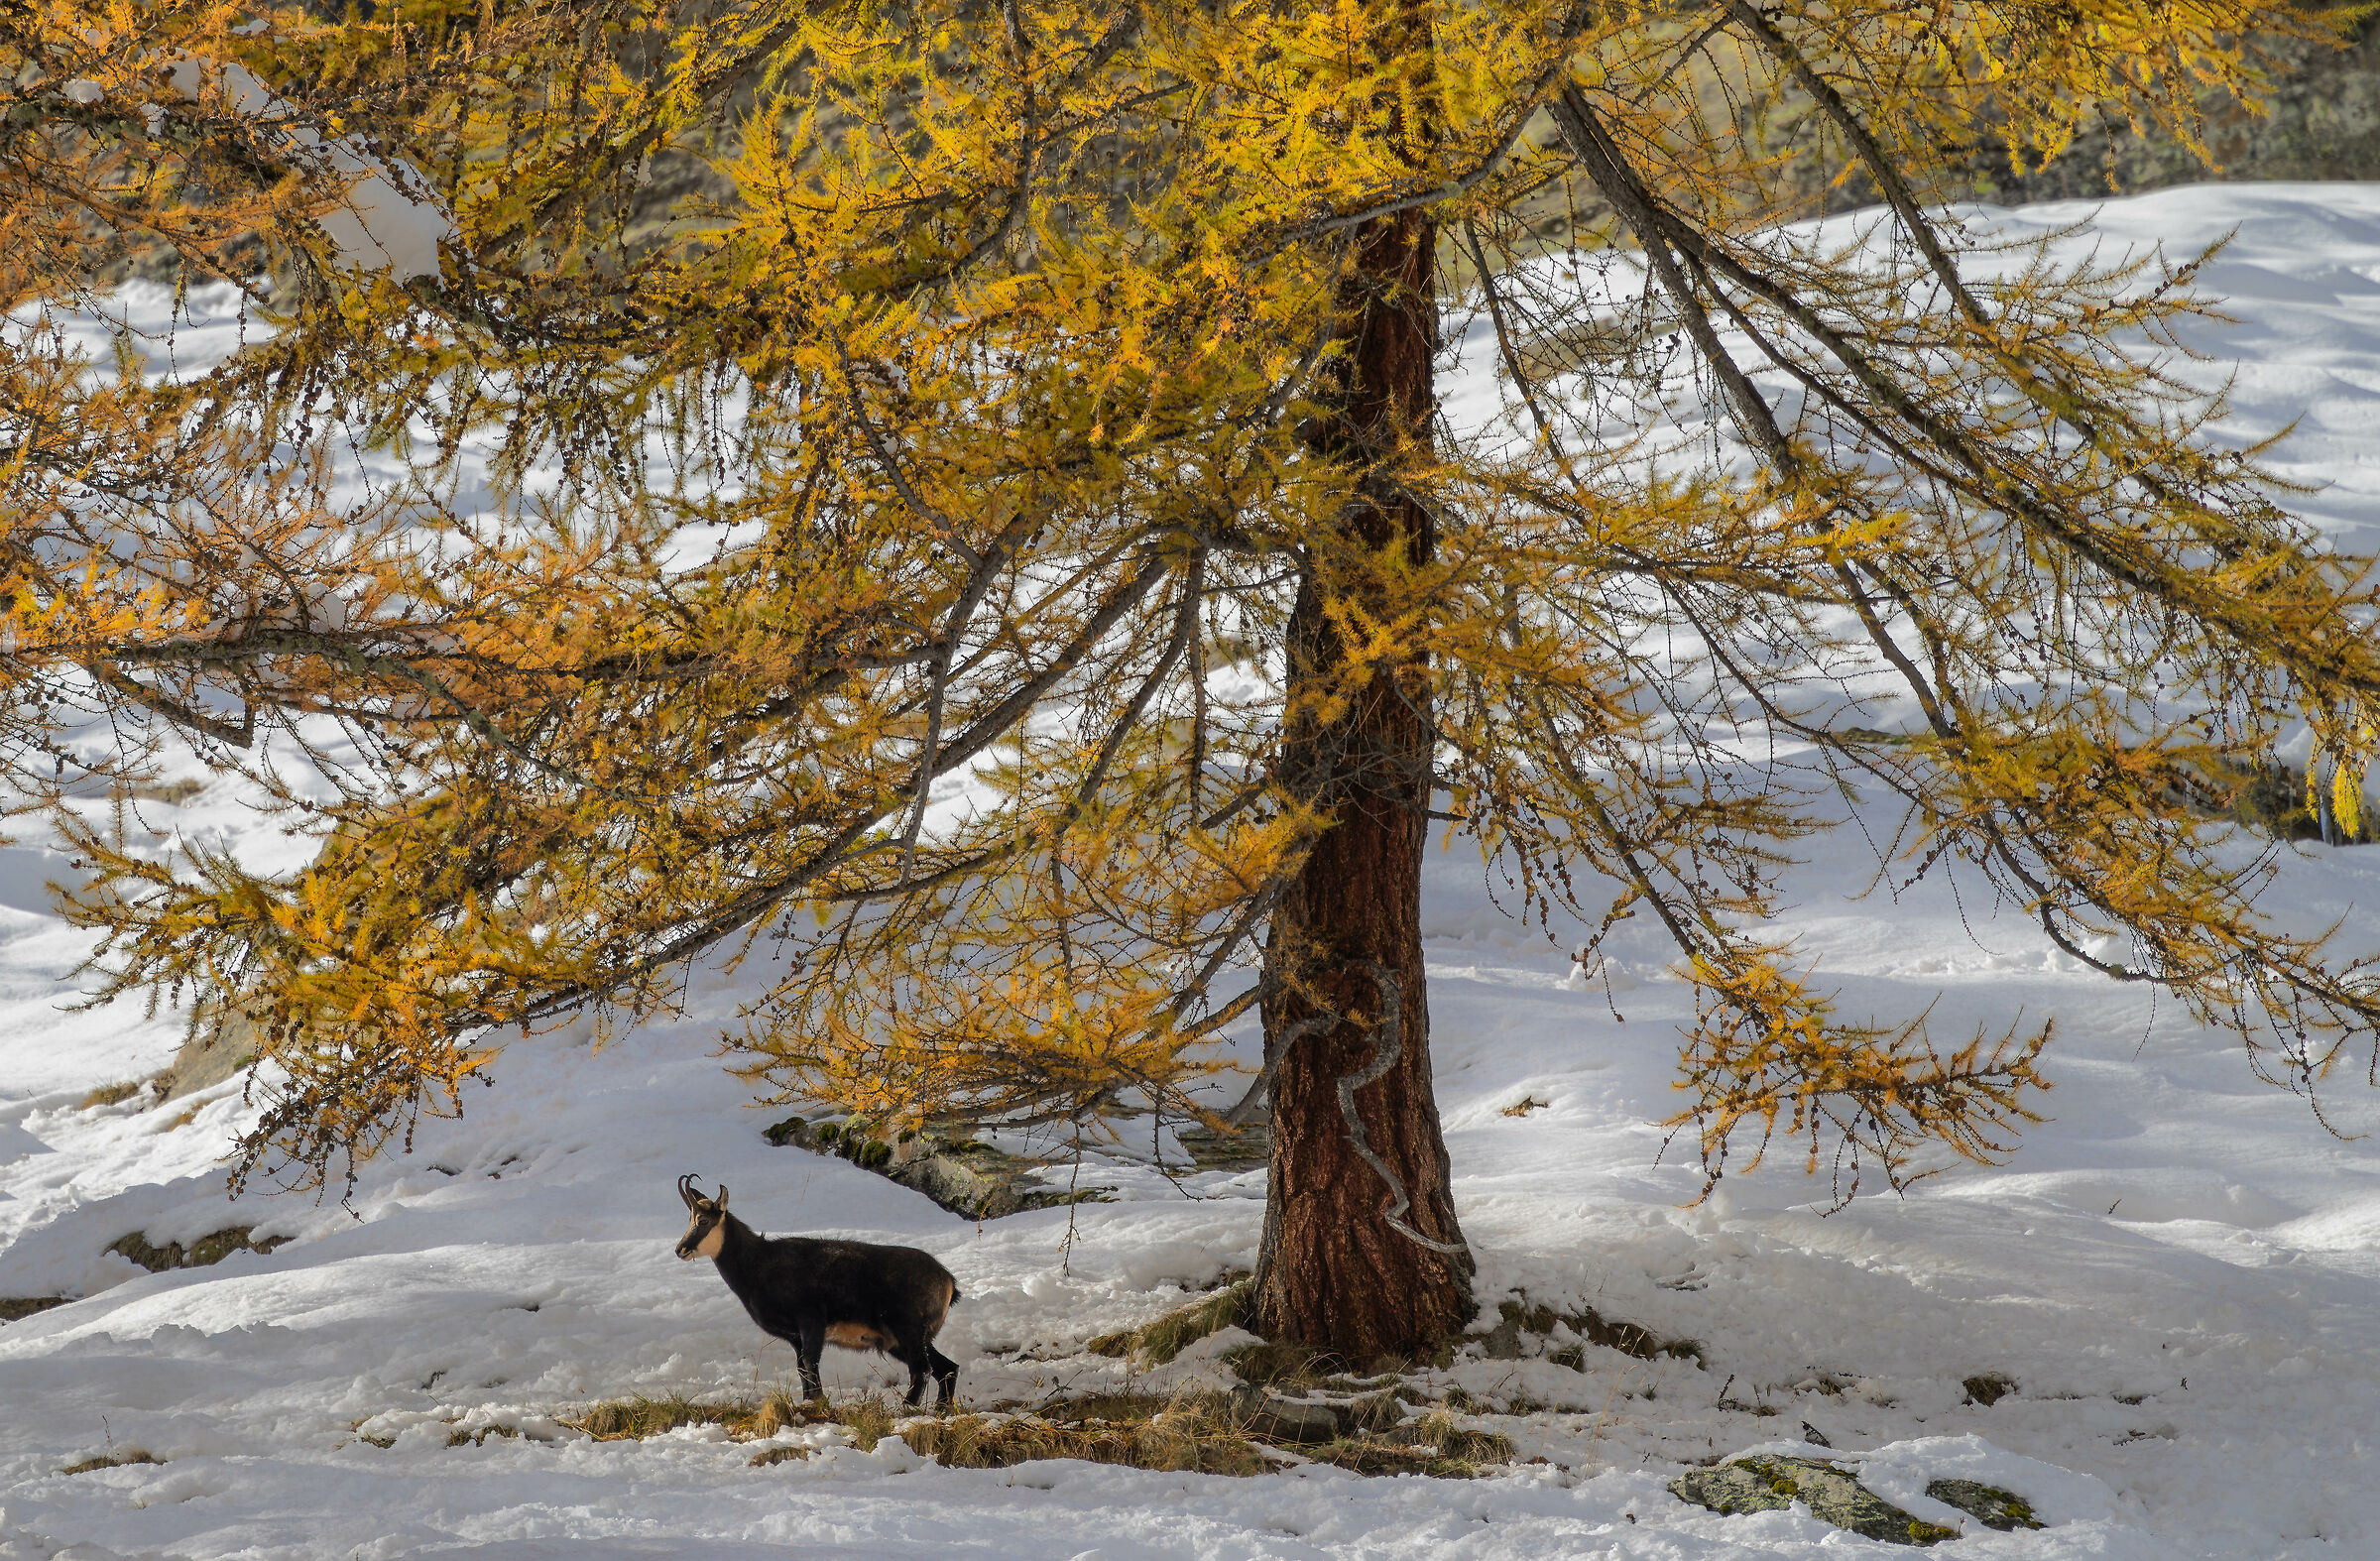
988,558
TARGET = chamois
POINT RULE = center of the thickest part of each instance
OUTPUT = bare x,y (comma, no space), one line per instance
812,1294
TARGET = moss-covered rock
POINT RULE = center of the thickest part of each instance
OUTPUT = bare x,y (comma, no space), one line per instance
1987,1504
1763,1483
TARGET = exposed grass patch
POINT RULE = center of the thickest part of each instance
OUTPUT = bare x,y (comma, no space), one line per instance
869,1420
1380,1411
12,1307
1156,1343
1523,1106
1191,1432
112,1094
1281,1364
634,1420
1273,1364
205,1250
1125,1405
1986,1388
130,1454
1143,1431
769,1457
1591,1327
1437,1444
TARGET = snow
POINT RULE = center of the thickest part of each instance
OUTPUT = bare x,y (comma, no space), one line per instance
383,227
2180,1272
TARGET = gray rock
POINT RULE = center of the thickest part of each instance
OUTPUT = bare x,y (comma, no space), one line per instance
211,1059
982,1192
1278,1420
1503,1339
1987,1388
966,1177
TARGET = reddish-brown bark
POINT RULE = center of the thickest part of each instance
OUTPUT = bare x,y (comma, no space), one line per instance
1335,1272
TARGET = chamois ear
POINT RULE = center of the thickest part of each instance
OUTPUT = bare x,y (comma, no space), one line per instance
720,1202
685,1190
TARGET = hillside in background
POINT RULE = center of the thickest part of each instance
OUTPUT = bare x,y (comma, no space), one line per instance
2321,121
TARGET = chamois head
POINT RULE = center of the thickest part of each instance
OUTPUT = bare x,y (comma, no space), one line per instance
707,1231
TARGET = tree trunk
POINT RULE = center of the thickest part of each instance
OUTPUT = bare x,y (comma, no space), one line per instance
1362,1259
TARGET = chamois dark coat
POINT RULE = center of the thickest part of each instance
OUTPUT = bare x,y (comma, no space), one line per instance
812,1294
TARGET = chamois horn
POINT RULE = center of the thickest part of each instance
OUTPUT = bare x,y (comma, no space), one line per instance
685,1189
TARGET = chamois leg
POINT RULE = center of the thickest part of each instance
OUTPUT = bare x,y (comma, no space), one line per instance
912,1350
946,1377
806,1351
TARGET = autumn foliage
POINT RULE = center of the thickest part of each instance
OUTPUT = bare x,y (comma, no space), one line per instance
893,536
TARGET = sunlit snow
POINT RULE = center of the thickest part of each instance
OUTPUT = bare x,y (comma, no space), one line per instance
2179,1270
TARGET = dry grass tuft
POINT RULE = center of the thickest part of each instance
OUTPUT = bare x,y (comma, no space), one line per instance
1188,1432
130,1454
869,1420
1380,1411
1285,1365
14,1307
777,1412
769,1457
112,1094
634,1420
1191,1433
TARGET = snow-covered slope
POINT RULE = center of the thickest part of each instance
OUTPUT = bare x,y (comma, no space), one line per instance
2180,1272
